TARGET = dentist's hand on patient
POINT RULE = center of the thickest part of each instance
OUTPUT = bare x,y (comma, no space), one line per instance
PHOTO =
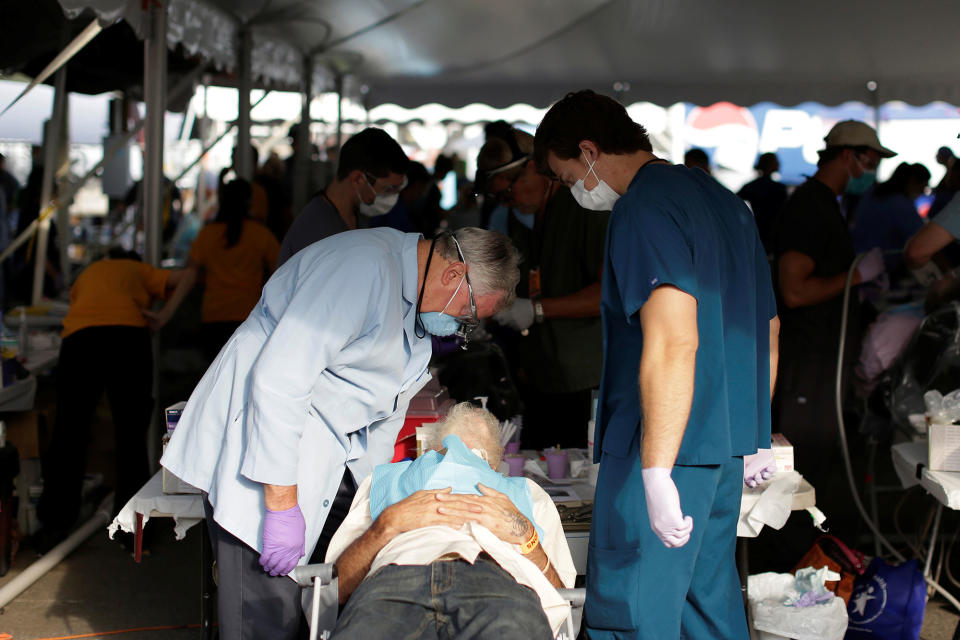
284,531
663,508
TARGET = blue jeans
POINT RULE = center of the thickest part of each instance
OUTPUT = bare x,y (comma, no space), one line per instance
445,599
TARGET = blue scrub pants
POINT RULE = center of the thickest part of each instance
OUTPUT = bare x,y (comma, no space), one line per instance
637,587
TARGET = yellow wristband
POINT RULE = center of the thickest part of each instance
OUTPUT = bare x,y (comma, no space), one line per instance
530,544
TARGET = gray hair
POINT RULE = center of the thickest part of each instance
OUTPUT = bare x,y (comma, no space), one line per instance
476,427
491,261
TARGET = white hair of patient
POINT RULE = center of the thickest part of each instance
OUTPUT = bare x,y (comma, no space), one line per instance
476,427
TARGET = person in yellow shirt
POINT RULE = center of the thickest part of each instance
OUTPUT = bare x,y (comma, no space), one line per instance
236,256
106,348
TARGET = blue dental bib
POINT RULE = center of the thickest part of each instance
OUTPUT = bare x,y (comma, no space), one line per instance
460,469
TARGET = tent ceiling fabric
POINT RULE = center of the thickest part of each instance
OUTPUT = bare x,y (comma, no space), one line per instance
205,29
503,52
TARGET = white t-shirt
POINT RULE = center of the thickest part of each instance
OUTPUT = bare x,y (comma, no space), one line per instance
423,546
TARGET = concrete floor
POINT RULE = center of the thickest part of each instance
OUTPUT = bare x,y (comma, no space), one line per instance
939,622
99,588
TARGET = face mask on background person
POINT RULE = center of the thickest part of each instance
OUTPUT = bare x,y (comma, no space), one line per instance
381,205
438,322
601,198
859,186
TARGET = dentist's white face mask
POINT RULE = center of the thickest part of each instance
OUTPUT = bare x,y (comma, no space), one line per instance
601,198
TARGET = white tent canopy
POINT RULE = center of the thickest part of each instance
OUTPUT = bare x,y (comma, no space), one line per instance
502,52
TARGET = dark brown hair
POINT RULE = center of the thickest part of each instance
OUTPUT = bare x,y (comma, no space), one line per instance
586,115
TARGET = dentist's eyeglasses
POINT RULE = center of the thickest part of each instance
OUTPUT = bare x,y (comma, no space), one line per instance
468,324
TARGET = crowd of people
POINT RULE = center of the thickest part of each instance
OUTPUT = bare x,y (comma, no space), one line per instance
595,266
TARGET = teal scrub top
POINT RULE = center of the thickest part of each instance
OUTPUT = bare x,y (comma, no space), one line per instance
678,226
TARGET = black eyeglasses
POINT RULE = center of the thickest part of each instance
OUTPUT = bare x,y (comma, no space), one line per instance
467,324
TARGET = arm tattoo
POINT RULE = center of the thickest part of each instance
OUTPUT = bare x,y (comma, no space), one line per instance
519,524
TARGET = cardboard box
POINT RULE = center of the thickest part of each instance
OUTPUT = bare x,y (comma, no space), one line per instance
944,447
172,414
169,482
782,452
174,485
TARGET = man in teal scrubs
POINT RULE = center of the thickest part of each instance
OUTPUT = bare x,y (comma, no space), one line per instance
688,310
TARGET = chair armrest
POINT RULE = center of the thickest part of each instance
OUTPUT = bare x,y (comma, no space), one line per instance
304,575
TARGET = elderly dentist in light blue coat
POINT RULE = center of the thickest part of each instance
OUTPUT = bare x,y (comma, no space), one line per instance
315,383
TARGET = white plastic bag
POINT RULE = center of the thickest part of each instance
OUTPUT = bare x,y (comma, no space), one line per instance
767,593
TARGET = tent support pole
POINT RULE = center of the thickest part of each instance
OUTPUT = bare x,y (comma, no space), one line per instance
244,156
51,153
339,112
155,85
154,89
301,158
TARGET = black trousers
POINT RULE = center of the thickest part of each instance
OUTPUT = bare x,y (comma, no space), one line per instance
252,604
117,360
805,411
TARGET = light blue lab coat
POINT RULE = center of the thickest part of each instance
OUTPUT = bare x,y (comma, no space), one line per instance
316,379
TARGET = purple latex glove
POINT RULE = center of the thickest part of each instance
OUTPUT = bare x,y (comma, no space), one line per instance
810,598
758,467
871,267
663,508
283,540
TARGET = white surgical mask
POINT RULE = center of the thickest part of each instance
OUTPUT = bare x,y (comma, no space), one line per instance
381,205
601,198
480,453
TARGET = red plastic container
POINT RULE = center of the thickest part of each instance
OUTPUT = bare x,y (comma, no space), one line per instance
429,405
406,446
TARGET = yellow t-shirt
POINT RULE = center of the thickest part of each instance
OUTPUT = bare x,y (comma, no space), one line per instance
113,292
234,276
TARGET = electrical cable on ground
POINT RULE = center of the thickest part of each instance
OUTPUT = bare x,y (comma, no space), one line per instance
165,627
848,465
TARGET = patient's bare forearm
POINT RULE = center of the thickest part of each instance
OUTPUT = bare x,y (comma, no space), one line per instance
354,563
539,557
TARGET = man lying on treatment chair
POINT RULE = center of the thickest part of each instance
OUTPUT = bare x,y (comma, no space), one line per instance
445,545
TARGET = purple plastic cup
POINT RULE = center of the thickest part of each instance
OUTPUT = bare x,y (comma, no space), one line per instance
515,462
512,447
556,464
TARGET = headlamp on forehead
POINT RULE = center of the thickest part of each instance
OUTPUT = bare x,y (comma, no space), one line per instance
481,185
518,158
